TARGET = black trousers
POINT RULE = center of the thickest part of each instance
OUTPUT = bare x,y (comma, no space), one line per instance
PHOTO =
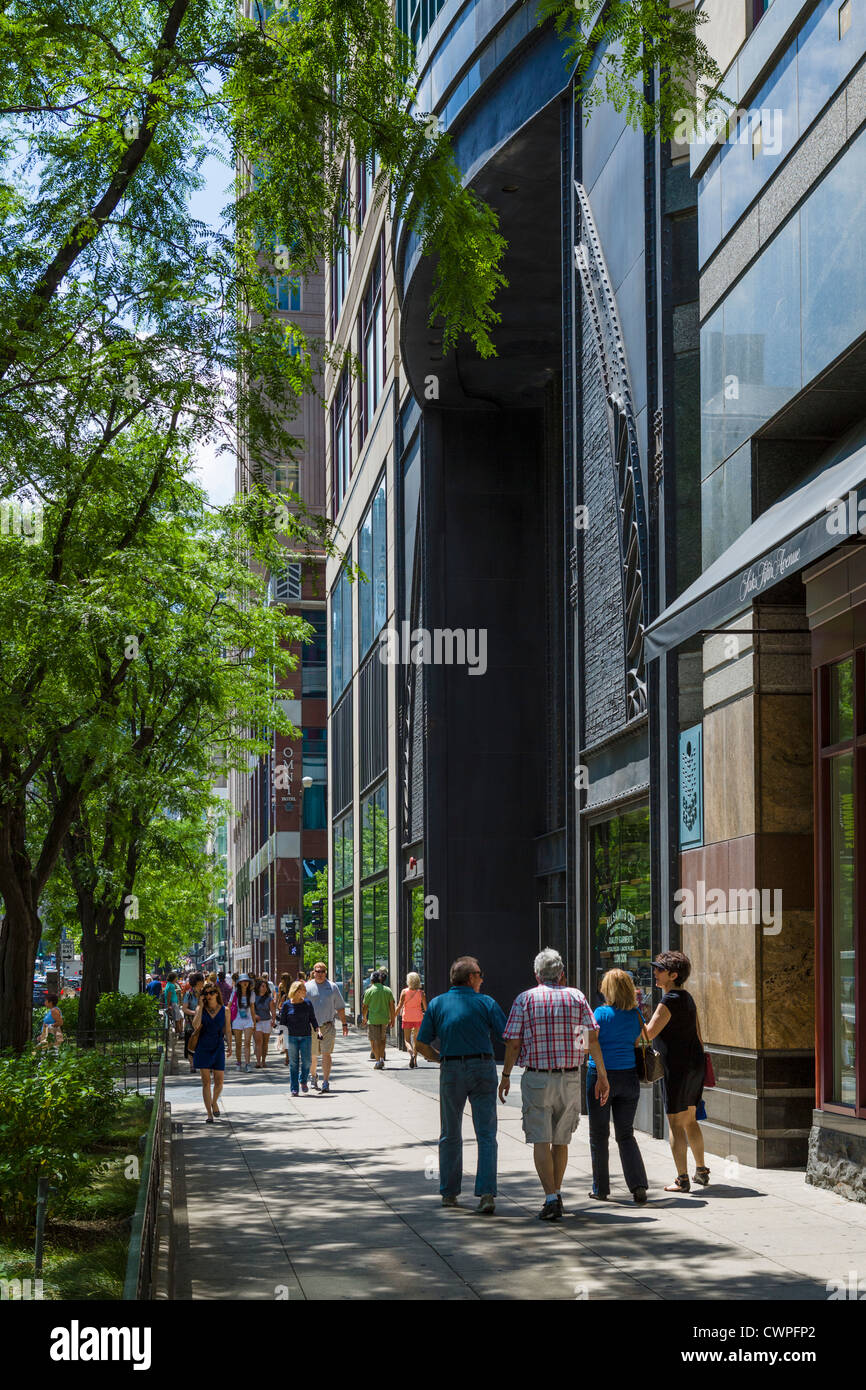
621,1106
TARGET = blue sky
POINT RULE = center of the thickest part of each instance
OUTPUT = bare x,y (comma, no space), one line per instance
216,474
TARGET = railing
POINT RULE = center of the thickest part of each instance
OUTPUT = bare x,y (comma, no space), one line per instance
136,1053
143,1240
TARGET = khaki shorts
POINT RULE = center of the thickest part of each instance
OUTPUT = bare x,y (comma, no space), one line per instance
326,1046
551,1106
377,1032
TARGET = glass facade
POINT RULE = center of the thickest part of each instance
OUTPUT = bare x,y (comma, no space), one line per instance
341,636
800,86
344,950
314,658
371,329
374,927
341,263
620,904
315,765
343,860
784,322
374,832
341,439
286,293
373,561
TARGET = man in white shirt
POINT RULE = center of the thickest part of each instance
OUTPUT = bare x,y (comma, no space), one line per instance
327,1002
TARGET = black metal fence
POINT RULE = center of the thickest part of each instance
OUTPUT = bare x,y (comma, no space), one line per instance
144,1236
136,1053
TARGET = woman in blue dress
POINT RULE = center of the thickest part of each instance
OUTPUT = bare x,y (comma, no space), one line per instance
214,1025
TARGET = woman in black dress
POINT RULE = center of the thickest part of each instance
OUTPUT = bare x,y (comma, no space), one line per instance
675,1025
214,1034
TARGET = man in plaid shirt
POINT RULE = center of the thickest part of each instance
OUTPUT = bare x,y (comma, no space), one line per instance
549,1030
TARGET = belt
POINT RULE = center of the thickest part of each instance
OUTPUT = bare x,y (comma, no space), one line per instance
467,1057
551,1069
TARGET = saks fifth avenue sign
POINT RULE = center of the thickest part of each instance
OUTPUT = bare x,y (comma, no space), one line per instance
768,571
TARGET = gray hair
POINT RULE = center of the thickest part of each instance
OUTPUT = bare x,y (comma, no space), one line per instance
548,966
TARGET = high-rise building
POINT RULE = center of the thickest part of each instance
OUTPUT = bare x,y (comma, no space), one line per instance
620,702
277,837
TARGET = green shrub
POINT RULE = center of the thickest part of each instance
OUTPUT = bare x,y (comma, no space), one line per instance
52,1104
127,1013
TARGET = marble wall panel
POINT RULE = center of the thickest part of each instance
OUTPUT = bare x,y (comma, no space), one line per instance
729,771
787,983
784,742
724,980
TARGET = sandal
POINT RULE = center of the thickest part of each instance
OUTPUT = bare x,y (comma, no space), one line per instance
681,1184
702,1176
215,1109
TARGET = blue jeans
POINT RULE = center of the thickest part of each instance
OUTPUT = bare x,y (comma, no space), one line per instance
300,1053
621,1104
474,1081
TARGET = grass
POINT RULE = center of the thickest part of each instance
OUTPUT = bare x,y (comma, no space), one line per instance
87,1231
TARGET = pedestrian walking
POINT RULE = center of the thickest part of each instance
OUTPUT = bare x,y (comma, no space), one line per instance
283,987
411,1007
52,1023
327,1002
211,1036
189,1008
619,1026
467,1023
263,1008
298,1017
547,1033
224,987
241,1016
171,1000
378,1013
675,1025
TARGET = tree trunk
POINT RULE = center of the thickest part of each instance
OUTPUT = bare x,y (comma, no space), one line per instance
96,953
19,941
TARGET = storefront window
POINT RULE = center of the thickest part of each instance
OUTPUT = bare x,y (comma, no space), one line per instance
620,910
416,929
841,849
844,1018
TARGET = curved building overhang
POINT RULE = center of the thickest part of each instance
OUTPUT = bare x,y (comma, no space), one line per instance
507,142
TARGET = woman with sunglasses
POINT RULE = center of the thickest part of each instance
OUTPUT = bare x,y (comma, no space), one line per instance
263,1007
675,1024
214,1033
241,1015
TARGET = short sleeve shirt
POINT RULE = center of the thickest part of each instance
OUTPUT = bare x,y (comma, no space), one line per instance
465,1023
378,1001
326,999
551,1022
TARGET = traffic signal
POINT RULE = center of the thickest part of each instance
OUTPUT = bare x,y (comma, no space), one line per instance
317,913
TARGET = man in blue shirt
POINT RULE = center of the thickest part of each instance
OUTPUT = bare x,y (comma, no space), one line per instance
465,1021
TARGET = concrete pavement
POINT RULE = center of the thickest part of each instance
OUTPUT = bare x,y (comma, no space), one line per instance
337,1196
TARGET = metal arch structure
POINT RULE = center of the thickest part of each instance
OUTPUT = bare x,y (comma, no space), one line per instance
631,512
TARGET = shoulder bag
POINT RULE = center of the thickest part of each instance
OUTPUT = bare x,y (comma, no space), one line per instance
648,1062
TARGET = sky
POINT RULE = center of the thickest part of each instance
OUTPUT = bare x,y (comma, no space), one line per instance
217,474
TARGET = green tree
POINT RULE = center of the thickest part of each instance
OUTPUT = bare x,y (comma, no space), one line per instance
645,57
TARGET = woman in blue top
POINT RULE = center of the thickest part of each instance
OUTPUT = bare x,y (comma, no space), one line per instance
298,1017
214,1032
619,1026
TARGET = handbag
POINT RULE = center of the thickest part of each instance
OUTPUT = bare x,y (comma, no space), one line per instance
648,1062
709,1074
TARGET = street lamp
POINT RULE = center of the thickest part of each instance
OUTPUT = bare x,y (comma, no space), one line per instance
305,786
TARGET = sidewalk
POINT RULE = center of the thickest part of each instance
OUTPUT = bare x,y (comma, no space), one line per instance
337,1196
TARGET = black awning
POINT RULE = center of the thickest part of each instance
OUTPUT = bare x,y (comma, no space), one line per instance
793,533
